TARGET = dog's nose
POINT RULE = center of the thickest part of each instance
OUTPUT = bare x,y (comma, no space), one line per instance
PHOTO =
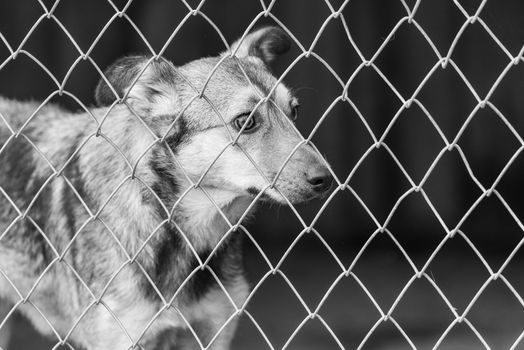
319,178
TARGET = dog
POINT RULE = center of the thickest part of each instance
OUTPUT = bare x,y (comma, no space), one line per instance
121,226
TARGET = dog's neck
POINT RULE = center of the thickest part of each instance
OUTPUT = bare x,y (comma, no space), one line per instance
205,216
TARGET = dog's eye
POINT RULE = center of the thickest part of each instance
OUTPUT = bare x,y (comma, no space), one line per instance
249,124
294,112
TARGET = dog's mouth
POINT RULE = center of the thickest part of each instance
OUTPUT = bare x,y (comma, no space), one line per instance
276,196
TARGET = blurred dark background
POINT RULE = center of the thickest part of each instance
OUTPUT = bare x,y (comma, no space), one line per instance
487,144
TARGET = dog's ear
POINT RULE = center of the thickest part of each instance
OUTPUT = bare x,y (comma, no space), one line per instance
140,77
265,43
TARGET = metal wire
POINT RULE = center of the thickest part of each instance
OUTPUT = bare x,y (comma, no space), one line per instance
442,61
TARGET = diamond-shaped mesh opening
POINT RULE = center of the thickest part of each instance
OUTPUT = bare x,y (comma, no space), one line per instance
420,52
448,100
417,228
179,34
441,22
349,318
315,12
117,30
372,23
85,21
414,141
471,271
38,43
365,182
356,228
441,192
323,267
490,246
288,308
249,11
278,238
169,17
485,136
476,53
343,65
375,100
418,302
127,213
383,264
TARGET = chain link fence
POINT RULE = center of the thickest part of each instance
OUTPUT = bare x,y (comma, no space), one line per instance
353,307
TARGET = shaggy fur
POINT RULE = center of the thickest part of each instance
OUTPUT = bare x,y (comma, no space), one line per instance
102,225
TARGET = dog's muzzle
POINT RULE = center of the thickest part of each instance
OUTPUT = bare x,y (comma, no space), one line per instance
319,178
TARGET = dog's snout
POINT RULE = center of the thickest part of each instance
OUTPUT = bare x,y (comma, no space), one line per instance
319,178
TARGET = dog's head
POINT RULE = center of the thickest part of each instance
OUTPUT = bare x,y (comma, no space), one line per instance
239,132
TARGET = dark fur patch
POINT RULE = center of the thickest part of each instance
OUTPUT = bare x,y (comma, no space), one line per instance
169,260
273,42
18,169
22,184
170,253
253,191
166,186
226,263
175,261
178,135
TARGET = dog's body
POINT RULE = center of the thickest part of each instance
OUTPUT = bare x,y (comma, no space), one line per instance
105,230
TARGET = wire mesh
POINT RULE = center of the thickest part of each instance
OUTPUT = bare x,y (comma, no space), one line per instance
443,60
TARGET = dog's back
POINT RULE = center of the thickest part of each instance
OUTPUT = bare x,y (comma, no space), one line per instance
22,175
28,205
30,155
